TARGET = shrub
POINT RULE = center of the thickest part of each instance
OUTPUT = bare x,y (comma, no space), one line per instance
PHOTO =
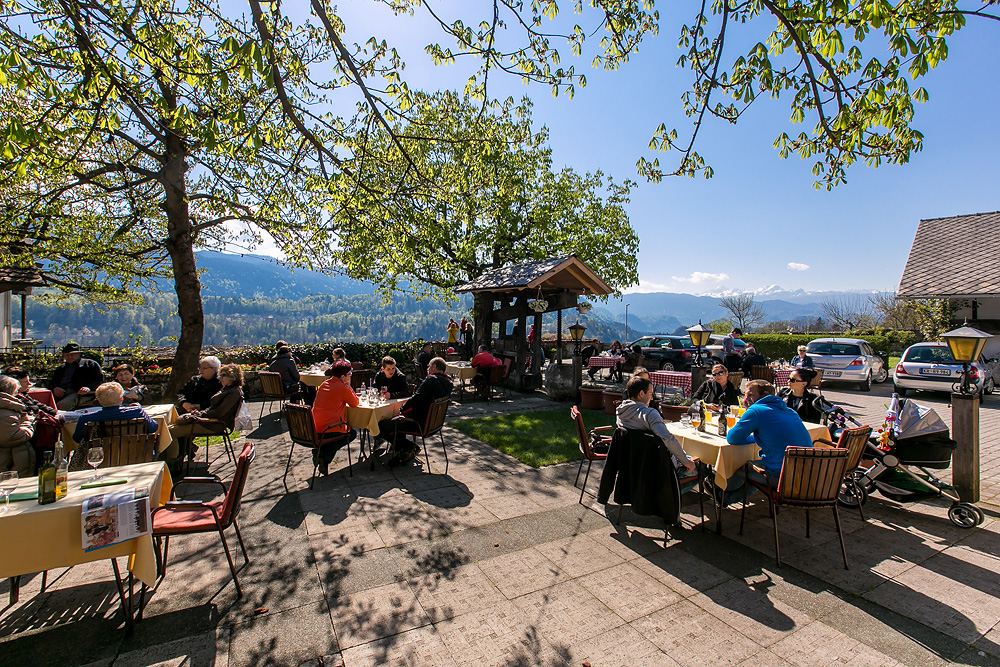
785,346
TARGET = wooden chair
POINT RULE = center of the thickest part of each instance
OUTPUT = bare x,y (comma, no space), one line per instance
762,373
273,389
855,441
736,379
816,383
114,428
433,423
194,516
302,431
361,378
495,381
810,479
586,450
126,450
421,371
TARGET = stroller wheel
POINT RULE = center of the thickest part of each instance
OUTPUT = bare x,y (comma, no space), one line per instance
982,517
852,494
964,515
858,474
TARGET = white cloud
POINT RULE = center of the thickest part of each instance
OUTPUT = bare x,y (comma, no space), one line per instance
699,277
795,266
645,287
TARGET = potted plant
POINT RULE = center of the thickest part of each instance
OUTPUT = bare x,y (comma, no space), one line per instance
538,305
612,396
674,406
591,397
584,307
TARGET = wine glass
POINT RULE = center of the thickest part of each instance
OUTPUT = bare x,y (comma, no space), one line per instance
95,457
8,482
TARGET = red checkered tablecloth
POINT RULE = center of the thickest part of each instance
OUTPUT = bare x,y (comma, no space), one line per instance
781,376
604,362
671,379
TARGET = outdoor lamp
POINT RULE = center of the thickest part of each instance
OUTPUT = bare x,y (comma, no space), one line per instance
700,336
966,344
576,332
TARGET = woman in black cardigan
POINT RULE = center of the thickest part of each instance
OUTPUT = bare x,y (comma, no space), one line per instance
717,390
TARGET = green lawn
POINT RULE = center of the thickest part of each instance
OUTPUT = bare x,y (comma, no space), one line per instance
535,438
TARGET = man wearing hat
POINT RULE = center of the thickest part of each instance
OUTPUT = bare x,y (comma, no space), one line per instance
76,379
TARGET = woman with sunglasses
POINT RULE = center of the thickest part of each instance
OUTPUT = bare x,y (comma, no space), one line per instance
717,390
797,396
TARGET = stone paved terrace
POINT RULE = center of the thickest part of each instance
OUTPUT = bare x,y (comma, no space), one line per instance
494,563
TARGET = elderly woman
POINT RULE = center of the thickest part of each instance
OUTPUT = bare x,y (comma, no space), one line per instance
110,395
717,390
217,418
332,399
797,396
134,392
199,390
803,360
16,430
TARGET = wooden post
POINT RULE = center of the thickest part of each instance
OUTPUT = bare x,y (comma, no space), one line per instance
559,349
521,332
965,431
536,347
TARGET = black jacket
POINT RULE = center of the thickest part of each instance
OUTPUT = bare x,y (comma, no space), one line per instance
805,407
711,392
199,391
397,385
423,359
285,365
88,374
642,475
752,360
432,388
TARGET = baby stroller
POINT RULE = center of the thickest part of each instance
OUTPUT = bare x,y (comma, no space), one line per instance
916,443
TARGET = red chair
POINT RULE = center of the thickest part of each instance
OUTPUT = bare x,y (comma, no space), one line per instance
184,517
589,455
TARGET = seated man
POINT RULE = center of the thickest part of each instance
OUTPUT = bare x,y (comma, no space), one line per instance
75,380
390,380
770,424
284,365
483,363
109,395
634,413
423,358
751,358
436,385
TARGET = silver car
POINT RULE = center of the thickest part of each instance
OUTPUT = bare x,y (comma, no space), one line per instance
930,366
848,360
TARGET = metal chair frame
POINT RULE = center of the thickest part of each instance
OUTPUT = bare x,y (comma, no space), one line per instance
433,423
855,441
587,452
302,431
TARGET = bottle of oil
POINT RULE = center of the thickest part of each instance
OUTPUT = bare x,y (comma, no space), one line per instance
47,481
62,472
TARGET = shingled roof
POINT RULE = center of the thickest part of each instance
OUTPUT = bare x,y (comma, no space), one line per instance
564,273
954,257
16,278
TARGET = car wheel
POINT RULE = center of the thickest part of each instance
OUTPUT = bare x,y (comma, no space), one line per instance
867,384
899,390
881,376
666,366
990,386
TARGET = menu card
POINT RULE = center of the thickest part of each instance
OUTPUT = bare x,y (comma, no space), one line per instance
111,518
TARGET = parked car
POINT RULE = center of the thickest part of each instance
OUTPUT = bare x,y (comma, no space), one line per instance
848,360
714,348
931,366
666,352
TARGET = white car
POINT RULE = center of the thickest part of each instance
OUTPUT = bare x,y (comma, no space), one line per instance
930,366
848,360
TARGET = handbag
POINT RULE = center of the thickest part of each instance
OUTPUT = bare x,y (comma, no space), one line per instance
244,422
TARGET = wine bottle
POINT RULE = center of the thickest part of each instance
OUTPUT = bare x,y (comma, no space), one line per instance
62,472
704,416
723,425
47,481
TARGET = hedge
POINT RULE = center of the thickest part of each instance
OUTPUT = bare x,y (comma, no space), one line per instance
785,346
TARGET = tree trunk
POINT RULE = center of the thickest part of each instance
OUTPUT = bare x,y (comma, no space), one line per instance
180,246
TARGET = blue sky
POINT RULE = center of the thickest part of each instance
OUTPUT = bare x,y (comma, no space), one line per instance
758,221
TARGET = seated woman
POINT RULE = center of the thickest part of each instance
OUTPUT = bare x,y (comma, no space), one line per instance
799,398
616,349
16,430
134,392
802,360
332,399
390,380
218,418
717,391
199,390
109,396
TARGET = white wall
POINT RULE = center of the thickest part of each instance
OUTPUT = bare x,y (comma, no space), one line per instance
5,324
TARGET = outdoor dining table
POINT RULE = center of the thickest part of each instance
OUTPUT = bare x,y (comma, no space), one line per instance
164,414
313,378
671,379
367,415
461,371
781,376
598,361
37,537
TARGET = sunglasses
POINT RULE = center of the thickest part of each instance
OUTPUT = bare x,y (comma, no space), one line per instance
715,375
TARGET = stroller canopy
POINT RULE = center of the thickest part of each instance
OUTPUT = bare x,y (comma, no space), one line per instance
916,420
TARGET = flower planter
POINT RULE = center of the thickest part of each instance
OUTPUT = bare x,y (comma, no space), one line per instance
591,399
610,398
673,413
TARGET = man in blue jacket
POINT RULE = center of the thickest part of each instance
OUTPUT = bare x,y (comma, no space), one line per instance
772,425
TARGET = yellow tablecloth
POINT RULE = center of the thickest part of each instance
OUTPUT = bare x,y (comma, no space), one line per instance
165,414
462,371
712,449
42,537
368,416
313,379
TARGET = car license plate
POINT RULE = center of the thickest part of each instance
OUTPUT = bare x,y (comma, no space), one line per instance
935,371
831,374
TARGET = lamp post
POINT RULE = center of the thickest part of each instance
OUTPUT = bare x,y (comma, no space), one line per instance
966,344
626,323
576,333
700,335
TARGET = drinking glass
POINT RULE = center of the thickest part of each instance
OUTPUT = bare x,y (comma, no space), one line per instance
696,420
685,420
95,457
8,482
730,420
